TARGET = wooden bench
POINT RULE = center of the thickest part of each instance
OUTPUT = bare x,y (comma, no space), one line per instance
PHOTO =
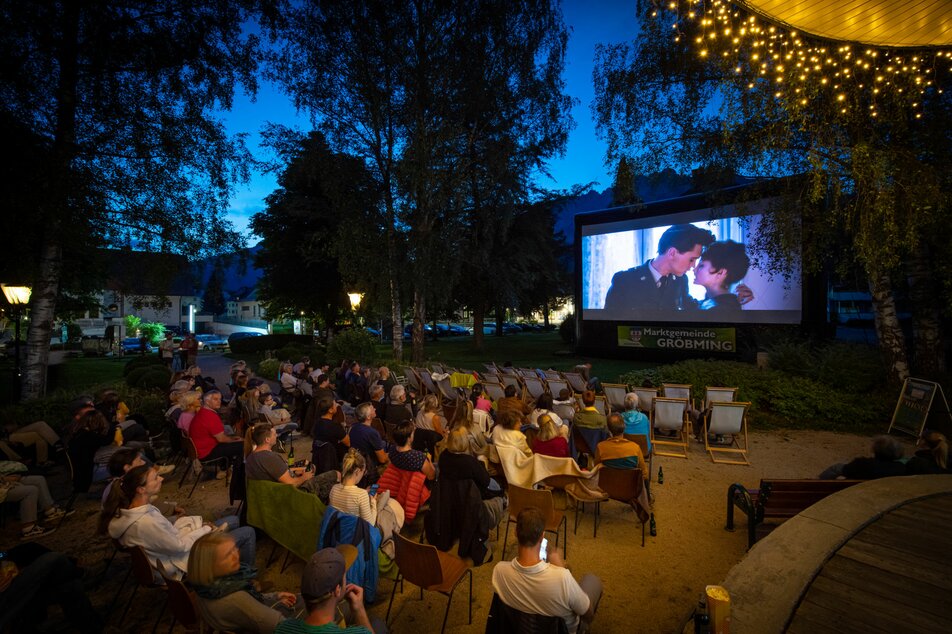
777,501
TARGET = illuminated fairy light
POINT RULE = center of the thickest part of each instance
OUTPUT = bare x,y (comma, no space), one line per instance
832,71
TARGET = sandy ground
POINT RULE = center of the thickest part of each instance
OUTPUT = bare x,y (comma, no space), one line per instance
650,589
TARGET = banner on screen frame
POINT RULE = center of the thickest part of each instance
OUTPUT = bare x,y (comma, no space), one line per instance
678,338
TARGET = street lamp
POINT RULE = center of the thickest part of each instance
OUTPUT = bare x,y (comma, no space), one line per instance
355,302
17,296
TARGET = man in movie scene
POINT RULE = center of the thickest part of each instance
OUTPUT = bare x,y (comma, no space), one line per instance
659,283
722,265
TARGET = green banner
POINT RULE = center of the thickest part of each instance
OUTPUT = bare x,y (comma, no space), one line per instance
678,338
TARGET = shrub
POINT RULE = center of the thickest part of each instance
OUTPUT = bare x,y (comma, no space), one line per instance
291,352
145,361
153,330
567,329
268,369
268,342
352,344
152,378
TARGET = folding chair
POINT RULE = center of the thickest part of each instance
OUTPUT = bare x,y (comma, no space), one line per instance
491,368
556,385
413,379
427,380
199,466
552,374
448,392
576,381
520,498
727,419
565,412
534,386
615,395
670,415
600,404
495,391
438,368
511,379
646,397
527,372
676,390
430,569
718,395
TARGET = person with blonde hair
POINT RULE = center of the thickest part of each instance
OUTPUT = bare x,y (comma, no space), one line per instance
456,463
227,596
507,432
932,455
549,442
376,508
190,404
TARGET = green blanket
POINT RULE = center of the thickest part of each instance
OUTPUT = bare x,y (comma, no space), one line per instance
289,516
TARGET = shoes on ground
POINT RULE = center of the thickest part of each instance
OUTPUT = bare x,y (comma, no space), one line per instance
35,532
55,513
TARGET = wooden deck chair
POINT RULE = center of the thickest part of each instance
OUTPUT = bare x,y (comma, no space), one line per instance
615,395
728,419
511,379
576,381
413,379
495,391
534,386
438,367
448,392
552,374
427,380
600,404
565,412
670,414
676,390
524,372
508,370
646,397
719,395
491,368
556,385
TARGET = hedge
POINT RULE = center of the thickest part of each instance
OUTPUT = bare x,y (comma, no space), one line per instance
247,345
353,345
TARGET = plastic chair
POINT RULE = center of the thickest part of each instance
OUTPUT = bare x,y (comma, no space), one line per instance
202,465
670,415
520,498
430,569
727,419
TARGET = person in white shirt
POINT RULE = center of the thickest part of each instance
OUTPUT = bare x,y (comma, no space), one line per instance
536,585
130,518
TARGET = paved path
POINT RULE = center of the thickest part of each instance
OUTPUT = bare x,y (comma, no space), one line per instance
218,366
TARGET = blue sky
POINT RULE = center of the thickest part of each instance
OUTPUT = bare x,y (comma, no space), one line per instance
590,23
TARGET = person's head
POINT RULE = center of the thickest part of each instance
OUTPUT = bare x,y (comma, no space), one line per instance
365,413
680,247
398,394
458,440
722,264
588,398
355,367
141,482
190,402
887,448
326,406
510,391
263,434
384,372
530,525
123,460
353,466
547,428
94,421
168,335
616,424
403,434
476,392
565,394
431,404
938,446
325,577
463,415
544,401
212,399
376,393
241,379
212,556
323,380
511,419
631,401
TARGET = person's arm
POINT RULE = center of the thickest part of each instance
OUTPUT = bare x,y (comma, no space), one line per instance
354,595
223,437
382,457
428,469
293,480
367,505
438,426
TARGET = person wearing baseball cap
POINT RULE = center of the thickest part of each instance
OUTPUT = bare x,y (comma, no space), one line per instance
323,586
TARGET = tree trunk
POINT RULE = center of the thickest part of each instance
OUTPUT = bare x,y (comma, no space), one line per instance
419,318
545,314
396,311
928,349
500,317
43,313
479,318
891,340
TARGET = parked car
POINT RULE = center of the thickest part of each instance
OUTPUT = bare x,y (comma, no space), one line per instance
458,329
408,330
131,344
212,342
236,336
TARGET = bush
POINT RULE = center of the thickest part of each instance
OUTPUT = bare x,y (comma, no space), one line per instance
291,352
356,345
153,330
144,361
567,329
268,342
268,369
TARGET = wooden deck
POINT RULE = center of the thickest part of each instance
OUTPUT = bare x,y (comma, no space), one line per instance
895,575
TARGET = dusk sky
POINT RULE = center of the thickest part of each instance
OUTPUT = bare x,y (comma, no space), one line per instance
590,22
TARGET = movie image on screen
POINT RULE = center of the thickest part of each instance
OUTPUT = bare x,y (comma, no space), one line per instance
684,267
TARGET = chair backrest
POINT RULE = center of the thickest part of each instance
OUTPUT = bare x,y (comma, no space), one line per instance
504,619
491,368
508,370
601,405
556,385
377,424
576,381
719,395
676,390
495,391
447,390
189,445
623,485
290,516
669,413
534,386
142,569
552,374
521,497
565,412
646,397
438,367
524,372
182,604
412,379
727,418
581,445
418,563
511,379
615,395
406,487
427,381
641,440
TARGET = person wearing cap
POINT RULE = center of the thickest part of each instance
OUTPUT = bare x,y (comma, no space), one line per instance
323,586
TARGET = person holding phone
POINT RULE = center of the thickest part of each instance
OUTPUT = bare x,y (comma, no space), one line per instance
381,510
538,582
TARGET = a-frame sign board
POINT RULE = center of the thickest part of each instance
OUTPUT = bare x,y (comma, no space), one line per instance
915,402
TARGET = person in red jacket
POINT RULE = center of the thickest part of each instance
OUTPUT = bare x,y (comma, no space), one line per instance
208,432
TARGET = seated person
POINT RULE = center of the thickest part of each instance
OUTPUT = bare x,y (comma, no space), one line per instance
511,402
130,517
456,463
125,459
385,380
38,435
378,398
384,513
536,586
480,399
90,447
636,422
549,442
544,406
398,411
886,462
279,417
117,413
722,265
323,586
190,404
328,430
37,578
932,455
228,598
33,494
263,463
404,457
619,453
365,439
208,432
588,416
507,432
430,424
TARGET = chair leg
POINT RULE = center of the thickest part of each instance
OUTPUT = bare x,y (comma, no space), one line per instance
393,593
470,571
287,556
598,513
274,549
119,590
161,613
198,478
188,468
446,614
128,604
505,539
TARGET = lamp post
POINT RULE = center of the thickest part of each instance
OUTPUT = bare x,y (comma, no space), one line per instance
17,296
355,302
